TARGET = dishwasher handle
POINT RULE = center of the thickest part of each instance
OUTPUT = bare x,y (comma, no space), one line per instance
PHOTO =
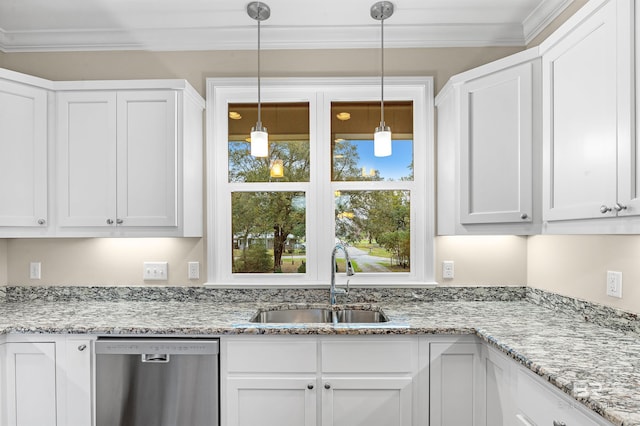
157,358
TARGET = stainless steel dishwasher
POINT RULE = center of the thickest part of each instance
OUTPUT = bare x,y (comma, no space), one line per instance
157,382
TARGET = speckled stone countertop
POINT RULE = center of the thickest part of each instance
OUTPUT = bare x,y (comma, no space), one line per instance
561,347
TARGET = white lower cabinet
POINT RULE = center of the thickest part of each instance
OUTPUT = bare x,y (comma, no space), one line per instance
46,380
328,381
456,381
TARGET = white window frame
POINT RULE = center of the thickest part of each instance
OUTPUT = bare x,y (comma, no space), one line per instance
320,225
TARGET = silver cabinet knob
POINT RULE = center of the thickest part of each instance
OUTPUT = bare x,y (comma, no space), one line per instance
82,347
109,221
604,209
523,216
41,221
310,386
327,386
619,207
119,221
557,423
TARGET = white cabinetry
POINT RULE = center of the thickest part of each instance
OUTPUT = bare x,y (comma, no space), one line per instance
30,373
516,396
456,381
23,156
46,380
318,381
589,151
129,161
488,155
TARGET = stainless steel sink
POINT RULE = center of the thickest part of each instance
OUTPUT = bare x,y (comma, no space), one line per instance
297,315
360,316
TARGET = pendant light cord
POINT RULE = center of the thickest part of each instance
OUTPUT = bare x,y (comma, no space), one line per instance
382,73
259,107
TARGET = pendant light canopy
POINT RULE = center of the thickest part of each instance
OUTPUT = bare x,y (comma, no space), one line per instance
259,137
382,136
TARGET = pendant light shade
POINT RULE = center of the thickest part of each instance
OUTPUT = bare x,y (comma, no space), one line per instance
382,136
382,141
259,136
259,142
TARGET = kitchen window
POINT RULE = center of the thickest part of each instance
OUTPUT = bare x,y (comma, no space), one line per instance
274,221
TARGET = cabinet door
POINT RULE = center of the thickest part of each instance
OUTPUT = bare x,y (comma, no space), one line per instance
271,401
496,135
31,384
371,401
23,155
78,382
499,389
456,384
580,80
147,158
86,158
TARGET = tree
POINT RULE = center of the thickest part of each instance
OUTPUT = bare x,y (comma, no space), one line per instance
276,213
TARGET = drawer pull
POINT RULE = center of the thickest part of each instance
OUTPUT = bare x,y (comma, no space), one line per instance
82,347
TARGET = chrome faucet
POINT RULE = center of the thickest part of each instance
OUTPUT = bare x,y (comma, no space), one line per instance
349,270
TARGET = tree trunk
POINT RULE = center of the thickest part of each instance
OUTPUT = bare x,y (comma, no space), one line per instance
279,239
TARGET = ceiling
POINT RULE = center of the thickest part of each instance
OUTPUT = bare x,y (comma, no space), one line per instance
68,25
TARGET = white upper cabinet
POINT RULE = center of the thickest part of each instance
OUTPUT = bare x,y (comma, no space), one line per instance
23,158
129,163
589,147
488,155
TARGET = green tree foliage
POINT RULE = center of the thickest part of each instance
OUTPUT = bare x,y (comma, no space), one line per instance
276,213
254,259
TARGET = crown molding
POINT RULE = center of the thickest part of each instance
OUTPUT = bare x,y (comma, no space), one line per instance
334,37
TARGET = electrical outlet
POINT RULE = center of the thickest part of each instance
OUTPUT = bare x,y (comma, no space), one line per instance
614,284
35,272
194,270
155,271
447,269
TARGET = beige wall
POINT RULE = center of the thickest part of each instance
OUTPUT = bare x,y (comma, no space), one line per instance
577,265
102,261
197,66
3,262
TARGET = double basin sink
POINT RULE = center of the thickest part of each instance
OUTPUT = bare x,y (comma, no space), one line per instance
327,315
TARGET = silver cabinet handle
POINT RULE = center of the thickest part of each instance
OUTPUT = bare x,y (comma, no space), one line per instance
119,221
619,207
327,386
109,221
310,386
604,209
41,221
557,423
82,347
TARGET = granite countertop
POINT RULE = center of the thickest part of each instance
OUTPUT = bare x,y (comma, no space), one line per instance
561,347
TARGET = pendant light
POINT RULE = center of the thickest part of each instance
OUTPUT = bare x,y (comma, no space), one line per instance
259,136
382,136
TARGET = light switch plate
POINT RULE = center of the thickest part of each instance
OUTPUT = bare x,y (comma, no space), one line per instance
155,271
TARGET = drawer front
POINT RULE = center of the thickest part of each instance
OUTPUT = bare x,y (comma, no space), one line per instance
369,356
271,356
542,405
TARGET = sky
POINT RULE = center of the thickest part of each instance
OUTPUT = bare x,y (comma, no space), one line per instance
391,168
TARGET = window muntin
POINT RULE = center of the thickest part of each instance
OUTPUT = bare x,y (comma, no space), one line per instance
319,190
